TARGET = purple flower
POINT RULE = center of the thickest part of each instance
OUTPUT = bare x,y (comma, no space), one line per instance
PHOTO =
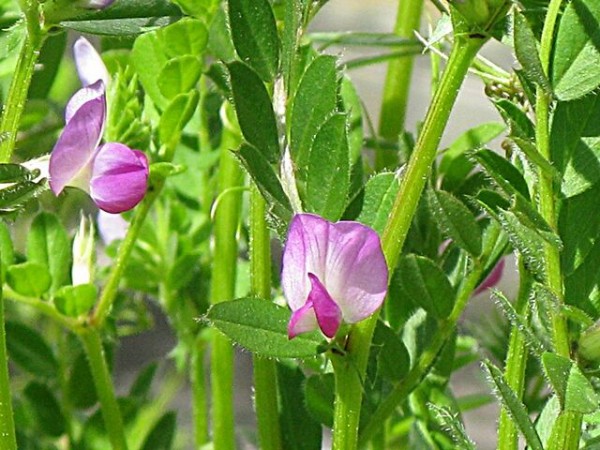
332,273
492,279
97,4
115,176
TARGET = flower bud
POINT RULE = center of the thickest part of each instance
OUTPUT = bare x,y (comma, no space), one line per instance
481,14
83,253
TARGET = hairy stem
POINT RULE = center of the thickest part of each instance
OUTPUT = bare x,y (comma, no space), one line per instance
359,341
265,370
17,96
7,424
516,363
111,413
397,84
223,288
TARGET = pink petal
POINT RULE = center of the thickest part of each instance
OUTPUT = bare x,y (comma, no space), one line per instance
492,279
347,259
119,178
328,313
70,161
303,320
94,91
90,66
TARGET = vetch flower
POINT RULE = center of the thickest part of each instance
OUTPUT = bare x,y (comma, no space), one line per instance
114,175
492,279
97,4
332,273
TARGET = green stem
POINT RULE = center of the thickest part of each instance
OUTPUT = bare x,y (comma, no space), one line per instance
17,96
199,398
111,413
223,288
265,370
423,156
426,360
8,439
516,362
109,293
397,83
567,429
348,399
405,205
547,206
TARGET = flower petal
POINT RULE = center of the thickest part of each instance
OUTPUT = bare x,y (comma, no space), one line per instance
305,251
70,161
94,91
492,279
303,320
347,259
357,273
90,66
119,178
328,313
98,4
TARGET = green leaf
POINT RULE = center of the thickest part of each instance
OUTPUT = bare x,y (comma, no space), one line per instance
319,394
30,279
299,430
314,102
513,406
152,51
46,410
254,110
74,301
254,35
452,423
535,345
502,172
380,193
28,349
456,221
519,123
16,195
48,244
576,64
179,75
162,433
426,285
266,179
261,326
49,60
526,50
141,386
175,117
328,179
80,383
126,17
527,241
573,389
575,144
13,173
7,251
472,139
579,227
393,360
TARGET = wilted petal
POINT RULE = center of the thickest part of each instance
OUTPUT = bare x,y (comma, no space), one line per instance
328,313
90,66
71,158
119,178
347,259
